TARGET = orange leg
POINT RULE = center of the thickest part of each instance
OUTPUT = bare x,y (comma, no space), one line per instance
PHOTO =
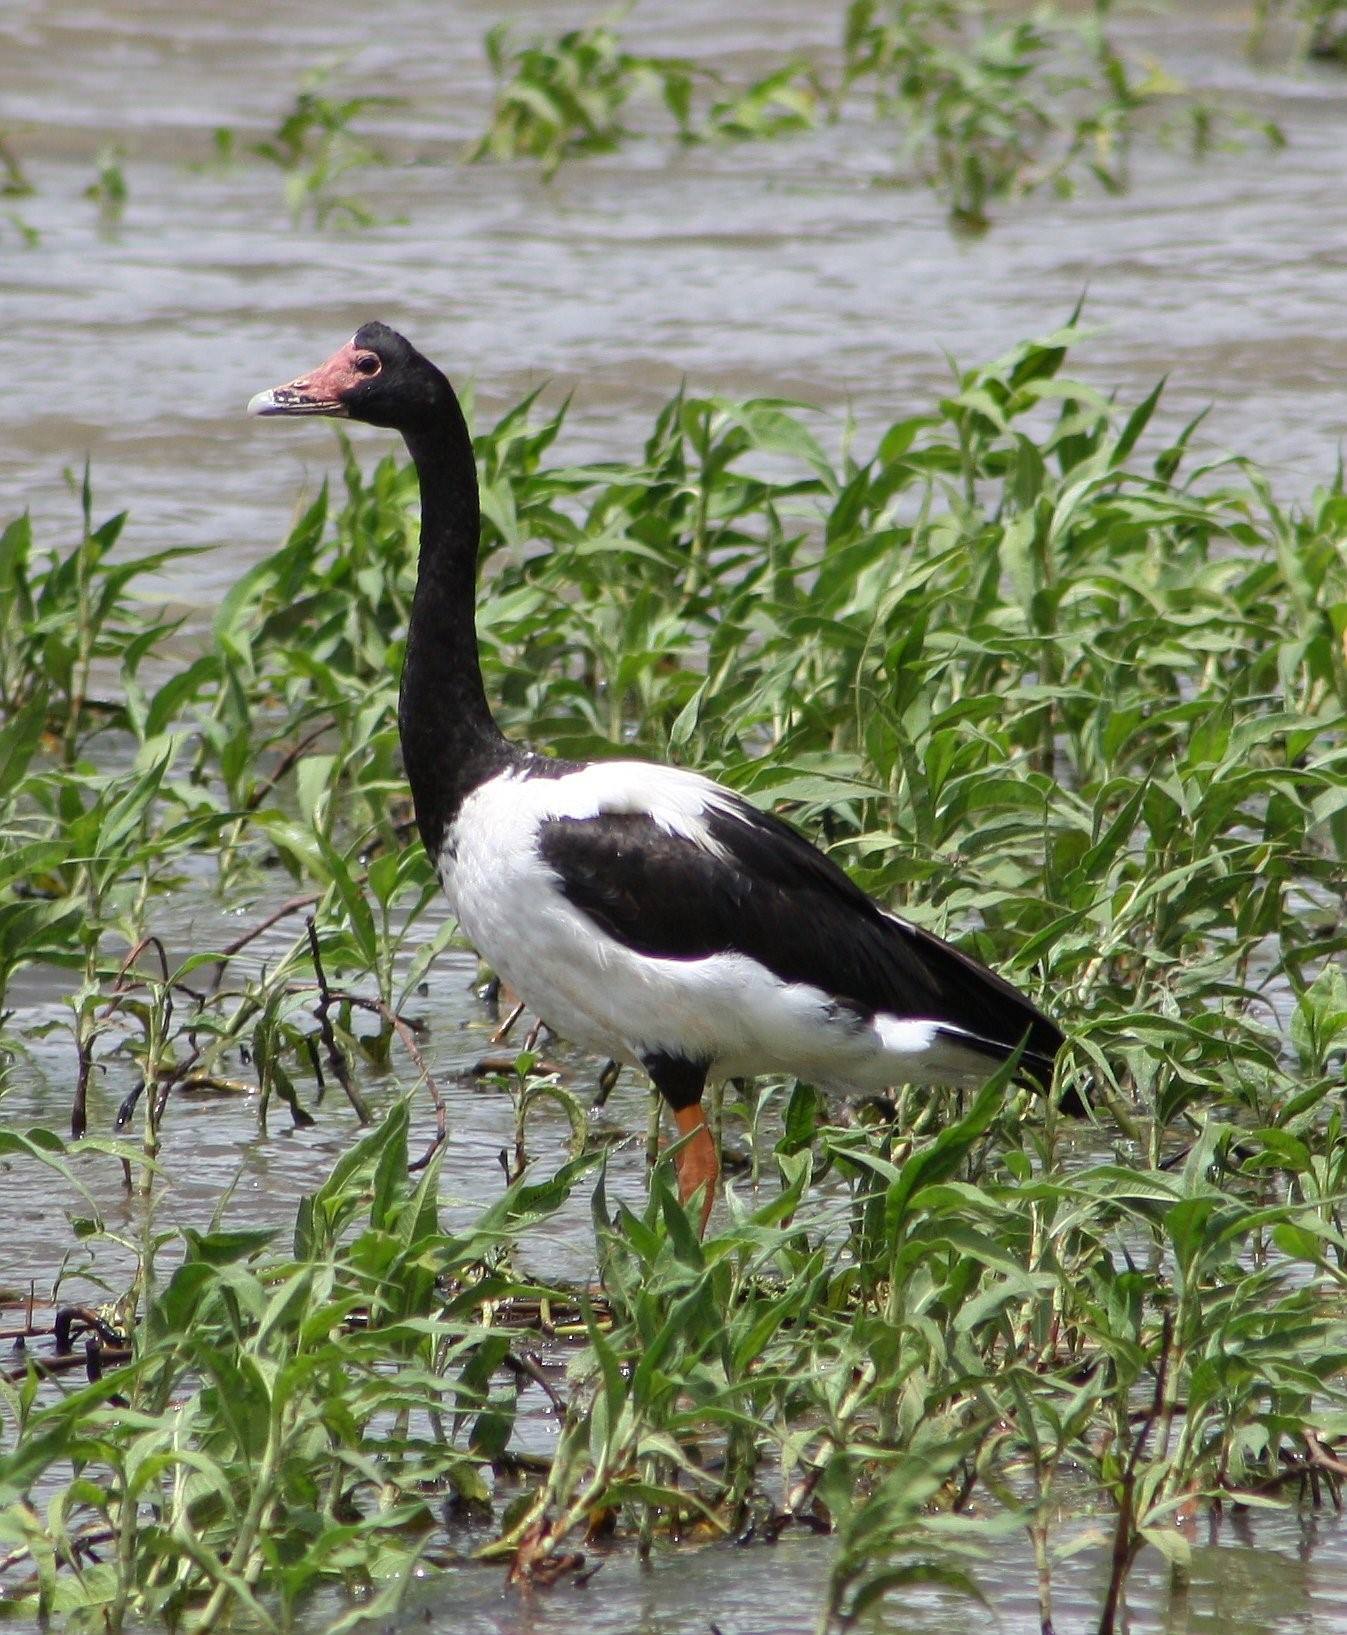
696,1163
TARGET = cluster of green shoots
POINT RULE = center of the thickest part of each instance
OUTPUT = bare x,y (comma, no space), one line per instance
558,99
987,103
316,147
1320,27
1080,708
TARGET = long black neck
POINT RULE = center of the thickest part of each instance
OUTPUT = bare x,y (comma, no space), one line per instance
450,742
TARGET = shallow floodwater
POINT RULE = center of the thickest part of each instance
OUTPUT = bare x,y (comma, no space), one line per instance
773,268
763,267
1274,1577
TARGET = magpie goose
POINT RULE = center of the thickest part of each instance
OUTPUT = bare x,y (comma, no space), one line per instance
644,912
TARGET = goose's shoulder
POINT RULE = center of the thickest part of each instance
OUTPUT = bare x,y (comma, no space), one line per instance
539,789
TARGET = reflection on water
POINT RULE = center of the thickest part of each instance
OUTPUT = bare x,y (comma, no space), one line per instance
774,267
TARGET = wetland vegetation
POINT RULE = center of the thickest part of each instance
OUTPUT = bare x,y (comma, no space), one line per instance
987,102
1045,682
1037,668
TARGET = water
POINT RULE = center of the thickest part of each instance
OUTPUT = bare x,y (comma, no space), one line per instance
774,268
771,267
1282,1579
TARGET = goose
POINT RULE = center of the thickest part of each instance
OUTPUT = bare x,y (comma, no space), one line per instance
645,912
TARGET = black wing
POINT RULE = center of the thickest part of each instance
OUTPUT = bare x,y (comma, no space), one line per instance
764,891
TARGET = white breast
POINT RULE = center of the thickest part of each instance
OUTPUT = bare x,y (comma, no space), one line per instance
582,982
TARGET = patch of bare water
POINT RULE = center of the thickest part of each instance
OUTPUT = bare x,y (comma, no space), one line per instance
774,267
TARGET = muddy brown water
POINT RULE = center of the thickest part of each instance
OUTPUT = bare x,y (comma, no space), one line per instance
775,268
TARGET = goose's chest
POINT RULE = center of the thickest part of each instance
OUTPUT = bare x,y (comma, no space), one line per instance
491,867
516,902
511,908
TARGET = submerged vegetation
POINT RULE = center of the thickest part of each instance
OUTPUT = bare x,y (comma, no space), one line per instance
987,101
1044,681
316,146
560,99
1320,26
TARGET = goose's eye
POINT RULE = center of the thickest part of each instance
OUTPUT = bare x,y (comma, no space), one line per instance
367,364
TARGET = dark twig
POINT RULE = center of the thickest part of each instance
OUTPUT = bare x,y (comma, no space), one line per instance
122,984
285,763
80,1543
94,1358
64,1365
607,1079
502,1033
292,905
409,1044
1126,1538
336,1059
530,1365
1323,1458
406,1031
88,1319
316,1062
79,1111
503,1065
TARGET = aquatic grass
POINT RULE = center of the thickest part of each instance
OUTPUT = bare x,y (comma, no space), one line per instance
988,105
556,99
1319,27
1042,677
315,145
109,190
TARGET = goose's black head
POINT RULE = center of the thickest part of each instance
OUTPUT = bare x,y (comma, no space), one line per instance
378,377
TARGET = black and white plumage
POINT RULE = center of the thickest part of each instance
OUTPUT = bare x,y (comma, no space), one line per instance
645,912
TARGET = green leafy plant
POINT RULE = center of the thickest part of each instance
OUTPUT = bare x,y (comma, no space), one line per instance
68,618
108,190
1320,27
1046,681
988,106
299,1455
316,147
556,99
991,106
560,99
781,102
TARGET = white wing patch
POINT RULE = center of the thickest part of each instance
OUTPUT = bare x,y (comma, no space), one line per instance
677,801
